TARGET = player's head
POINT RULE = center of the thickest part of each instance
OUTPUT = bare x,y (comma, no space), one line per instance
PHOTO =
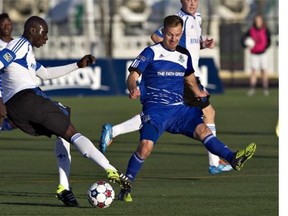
36,31
189,6
6,26
172,31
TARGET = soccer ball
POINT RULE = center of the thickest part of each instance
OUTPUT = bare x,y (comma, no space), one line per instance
100,194
249,42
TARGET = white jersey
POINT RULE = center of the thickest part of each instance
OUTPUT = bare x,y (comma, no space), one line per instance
3,44
191,37
21,73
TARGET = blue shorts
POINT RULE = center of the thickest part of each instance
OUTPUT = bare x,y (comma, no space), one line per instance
175,119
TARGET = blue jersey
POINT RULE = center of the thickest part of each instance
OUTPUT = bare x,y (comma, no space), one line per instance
191,37
163,73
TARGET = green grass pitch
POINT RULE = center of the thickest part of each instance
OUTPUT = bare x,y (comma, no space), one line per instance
174,180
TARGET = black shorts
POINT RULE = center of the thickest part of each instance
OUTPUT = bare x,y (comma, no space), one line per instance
191,100
35,114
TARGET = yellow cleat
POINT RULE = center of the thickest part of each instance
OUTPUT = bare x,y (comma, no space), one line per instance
125,195
118,177
242,156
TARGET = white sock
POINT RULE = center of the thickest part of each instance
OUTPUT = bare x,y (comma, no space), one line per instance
128,126
63,157
88,150
213,159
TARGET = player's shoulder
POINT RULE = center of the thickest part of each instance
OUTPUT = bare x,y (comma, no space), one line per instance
3,44
18,43
182,50
148,52
154,47
198,16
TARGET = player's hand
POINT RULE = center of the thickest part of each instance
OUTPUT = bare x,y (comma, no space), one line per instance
209,43
202,94
86,60
134,93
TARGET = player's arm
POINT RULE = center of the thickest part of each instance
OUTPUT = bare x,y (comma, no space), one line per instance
59,71
131,83
6,57
157,35
190,79
156,38
192,84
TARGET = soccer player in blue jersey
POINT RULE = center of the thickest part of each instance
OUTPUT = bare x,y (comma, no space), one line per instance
165,67
192,40
33,112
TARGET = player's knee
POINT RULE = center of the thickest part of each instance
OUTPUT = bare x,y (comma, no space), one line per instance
71,131
145,148
202,131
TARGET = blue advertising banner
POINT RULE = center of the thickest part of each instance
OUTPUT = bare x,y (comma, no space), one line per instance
108,77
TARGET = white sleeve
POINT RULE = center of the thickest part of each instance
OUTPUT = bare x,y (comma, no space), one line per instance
55,72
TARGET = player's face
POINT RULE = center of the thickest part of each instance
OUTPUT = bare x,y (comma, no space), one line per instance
6,27
41,35
190,6
171,37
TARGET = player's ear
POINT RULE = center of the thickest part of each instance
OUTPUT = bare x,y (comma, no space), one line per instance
32,30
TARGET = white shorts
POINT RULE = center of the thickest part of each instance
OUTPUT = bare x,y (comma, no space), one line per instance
259,62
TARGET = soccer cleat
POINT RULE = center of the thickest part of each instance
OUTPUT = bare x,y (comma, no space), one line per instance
125,195
213,170
66,196
106,137
120,178
242,156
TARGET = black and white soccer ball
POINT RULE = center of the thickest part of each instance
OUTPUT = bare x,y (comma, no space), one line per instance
100,194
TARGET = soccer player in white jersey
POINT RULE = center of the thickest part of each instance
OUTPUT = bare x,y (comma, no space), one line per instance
62,147
33,112
6,28
164,67
191,40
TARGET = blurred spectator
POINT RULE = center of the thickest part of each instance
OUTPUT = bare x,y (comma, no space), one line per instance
258,39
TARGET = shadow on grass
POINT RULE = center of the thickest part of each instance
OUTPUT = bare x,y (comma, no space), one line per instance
41,204
29,195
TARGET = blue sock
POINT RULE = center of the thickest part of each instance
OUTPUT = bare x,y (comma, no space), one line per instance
215,146
6,125
134,166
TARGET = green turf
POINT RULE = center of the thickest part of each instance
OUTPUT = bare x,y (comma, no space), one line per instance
173,181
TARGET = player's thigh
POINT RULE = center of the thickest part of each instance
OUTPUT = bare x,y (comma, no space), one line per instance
55,119
37,115
186,122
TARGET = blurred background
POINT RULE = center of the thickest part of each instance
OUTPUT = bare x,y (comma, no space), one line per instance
117,29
